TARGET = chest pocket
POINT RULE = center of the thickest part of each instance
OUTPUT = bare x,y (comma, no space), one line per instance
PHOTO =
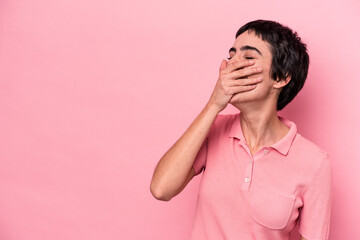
271,208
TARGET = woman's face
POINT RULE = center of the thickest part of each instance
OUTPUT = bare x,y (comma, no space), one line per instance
249,46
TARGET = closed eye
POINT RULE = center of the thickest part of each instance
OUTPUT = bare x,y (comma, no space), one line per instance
245,58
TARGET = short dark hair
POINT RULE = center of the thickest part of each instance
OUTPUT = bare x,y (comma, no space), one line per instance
289,56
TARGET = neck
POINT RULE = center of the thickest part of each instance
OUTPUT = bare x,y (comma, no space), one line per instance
261,126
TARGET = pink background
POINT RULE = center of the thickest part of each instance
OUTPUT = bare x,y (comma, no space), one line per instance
93,93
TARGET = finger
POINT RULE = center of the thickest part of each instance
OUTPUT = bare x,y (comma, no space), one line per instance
223,65
240,89
238,64
246,81
245,72
243,89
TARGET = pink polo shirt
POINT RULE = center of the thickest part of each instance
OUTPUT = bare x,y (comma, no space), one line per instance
261,197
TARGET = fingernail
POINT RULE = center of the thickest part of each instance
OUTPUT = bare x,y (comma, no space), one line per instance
259,69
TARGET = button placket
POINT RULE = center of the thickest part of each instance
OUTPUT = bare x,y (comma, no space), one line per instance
246,181
247,176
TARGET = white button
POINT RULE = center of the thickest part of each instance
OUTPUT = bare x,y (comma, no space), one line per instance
266,151
247,179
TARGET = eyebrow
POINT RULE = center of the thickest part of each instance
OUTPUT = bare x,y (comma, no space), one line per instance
246,47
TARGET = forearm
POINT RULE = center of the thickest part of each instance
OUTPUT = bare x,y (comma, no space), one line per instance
173,168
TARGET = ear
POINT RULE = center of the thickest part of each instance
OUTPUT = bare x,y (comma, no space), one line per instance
282,83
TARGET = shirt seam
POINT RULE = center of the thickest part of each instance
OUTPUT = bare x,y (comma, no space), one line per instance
325,157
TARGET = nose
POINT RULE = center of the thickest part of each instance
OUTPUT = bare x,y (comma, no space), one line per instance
237,57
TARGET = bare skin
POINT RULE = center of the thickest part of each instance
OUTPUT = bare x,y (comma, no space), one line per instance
259,120
174,170
245,82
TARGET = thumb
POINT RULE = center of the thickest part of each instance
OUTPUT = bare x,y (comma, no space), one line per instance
223,64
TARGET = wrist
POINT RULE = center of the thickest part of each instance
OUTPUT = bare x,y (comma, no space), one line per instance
211,107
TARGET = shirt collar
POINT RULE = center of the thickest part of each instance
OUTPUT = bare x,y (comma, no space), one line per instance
283,146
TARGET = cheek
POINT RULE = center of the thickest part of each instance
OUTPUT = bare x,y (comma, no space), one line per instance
265,66
266,73
267,81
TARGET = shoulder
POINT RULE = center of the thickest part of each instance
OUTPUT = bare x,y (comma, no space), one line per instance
224,122
308,148
223,118
311,156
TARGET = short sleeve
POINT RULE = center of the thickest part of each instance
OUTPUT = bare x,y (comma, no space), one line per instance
315,214
200,159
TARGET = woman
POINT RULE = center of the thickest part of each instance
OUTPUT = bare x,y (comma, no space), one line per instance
260,176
